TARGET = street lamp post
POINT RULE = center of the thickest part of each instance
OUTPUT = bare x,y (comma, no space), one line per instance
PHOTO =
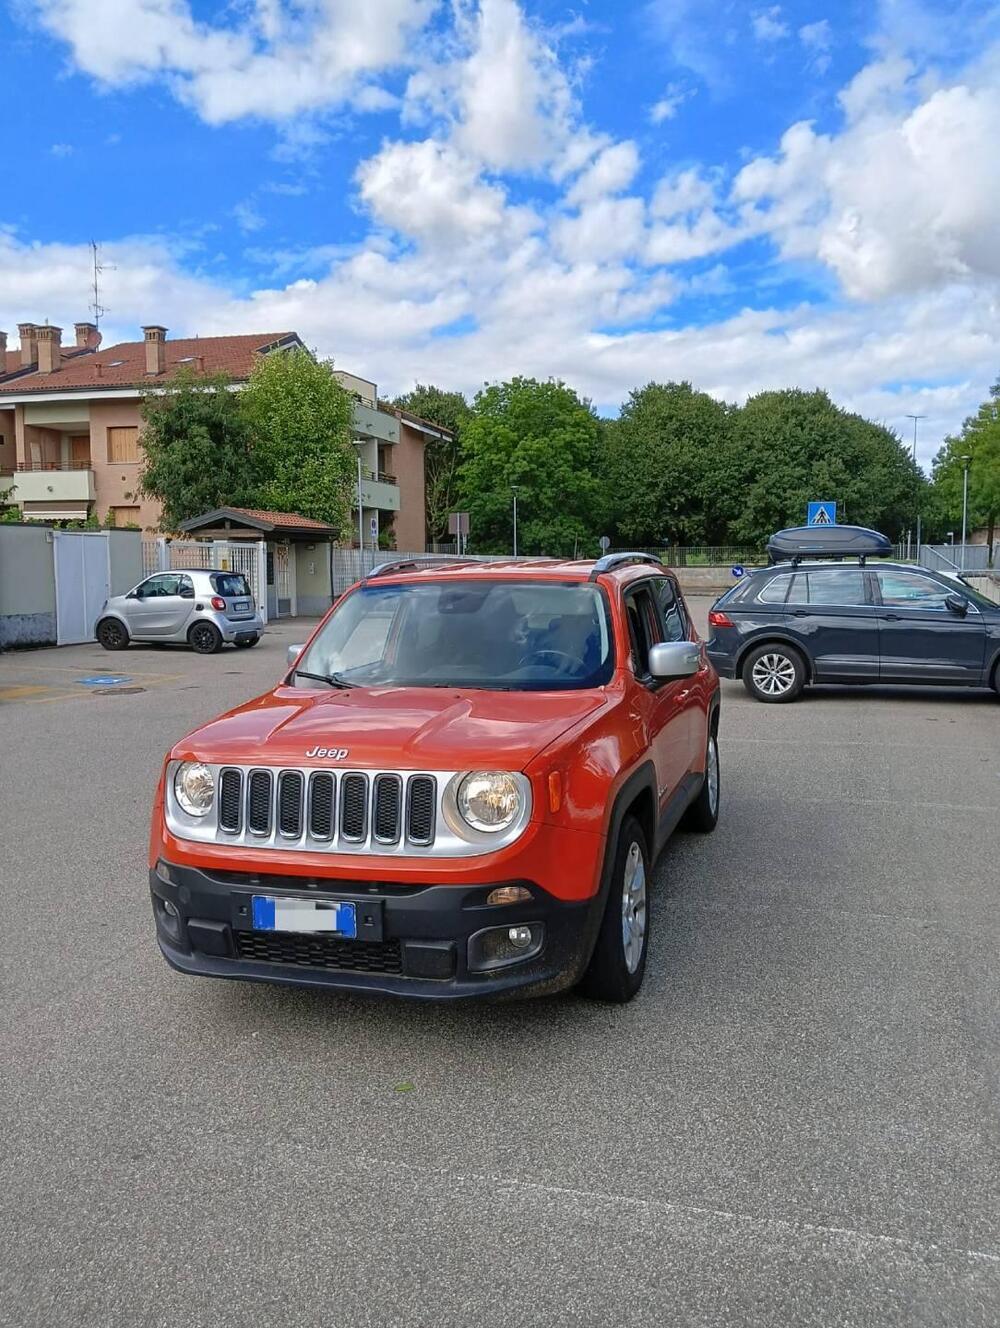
515,488
965,502
914,418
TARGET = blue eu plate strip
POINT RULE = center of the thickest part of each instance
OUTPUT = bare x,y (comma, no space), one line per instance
263,913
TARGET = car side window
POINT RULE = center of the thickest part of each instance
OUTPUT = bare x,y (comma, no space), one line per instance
643,628
158,586
908,590
673,620
840,586
774,591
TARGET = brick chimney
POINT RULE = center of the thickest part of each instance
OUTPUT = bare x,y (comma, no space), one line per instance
49,348
87,336
156,348
3,349
29,344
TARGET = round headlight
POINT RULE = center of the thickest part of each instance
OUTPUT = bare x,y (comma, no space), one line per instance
489,800
194,787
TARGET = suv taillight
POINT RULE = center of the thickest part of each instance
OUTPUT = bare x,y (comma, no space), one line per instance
218,602
716,618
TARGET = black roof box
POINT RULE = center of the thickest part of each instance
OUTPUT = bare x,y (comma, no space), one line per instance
801,542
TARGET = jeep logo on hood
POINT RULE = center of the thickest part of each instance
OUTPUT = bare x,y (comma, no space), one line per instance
331,753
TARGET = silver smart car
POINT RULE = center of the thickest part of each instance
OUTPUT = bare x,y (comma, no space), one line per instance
202,607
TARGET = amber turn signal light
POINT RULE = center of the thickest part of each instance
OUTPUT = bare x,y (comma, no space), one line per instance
508,894
555,791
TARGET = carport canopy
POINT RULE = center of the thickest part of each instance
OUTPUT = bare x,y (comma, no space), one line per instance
253,523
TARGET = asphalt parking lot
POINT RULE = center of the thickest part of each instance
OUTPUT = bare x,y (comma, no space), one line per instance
795,1123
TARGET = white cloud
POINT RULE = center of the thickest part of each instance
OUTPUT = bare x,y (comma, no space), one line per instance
61,150
278,61
900,201
603,230
669,104
768,25
817,38
247,217
612,171
679,195
432,192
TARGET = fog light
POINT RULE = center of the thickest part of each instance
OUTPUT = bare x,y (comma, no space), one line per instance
508,894
520,936
171,911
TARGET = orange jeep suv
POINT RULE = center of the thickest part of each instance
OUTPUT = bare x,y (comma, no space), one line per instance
458,789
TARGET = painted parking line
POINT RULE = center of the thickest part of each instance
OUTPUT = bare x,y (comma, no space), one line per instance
72,689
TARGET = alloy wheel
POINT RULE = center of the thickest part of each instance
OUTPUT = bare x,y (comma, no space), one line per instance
773,674
633,907
712,775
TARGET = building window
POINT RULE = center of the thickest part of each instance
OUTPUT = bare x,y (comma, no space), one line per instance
124,516
123,443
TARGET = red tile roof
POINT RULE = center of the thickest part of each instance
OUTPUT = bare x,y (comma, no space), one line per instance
12,365
124,365
280,518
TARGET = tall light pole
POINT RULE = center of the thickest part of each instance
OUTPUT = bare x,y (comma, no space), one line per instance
914,418
515,488
965,502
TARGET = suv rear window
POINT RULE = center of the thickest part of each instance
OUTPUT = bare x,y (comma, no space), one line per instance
229,584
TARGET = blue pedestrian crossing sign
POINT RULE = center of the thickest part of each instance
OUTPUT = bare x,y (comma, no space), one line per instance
821,514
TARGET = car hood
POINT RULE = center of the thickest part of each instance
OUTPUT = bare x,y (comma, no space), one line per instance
406,728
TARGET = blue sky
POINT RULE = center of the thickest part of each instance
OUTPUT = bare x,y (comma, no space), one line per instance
745,195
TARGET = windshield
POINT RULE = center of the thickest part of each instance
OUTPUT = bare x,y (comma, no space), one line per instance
969,591
496,635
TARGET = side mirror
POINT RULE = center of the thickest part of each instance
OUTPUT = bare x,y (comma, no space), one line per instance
293,653
674,659
132,594
958,605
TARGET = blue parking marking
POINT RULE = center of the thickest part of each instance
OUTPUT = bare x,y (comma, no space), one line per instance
104,680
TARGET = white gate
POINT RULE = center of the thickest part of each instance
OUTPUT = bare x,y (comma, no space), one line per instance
83,583
246,556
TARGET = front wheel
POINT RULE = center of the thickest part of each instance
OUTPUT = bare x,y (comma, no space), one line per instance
703,814
112,634
618,963
205,638
774,673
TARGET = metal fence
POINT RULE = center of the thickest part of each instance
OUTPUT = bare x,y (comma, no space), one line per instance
704,555
350,565
955,557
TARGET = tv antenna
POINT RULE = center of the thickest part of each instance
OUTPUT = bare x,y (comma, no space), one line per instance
96,307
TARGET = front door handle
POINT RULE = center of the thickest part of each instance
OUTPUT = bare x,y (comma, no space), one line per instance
800,613
891,617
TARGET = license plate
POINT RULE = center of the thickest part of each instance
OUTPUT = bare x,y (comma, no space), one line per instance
241,606
304,915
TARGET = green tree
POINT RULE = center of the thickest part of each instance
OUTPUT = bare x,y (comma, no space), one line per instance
196,448
979,440
299,422
441,456
542,438
791,446
662,463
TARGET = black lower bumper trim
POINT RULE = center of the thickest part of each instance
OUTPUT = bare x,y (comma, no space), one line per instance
418,943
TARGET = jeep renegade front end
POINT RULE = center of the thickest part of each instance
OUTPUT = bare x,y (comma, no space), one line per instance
458,789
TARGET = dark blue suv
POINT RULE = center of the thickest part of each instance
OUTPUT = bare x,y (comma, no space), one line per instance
846,622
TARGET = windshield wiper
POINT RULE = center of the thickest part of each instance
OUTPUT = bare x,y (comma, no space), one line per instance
331,679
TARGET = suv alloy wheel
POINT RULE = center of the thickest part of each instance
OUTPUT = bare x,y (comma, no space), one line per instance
774,673
618,963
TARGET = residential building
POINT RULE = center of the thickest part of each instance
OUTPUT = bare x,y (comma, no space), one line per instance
71,427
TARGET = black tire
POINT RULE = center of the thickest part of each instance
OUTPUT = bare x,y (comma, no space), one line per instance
774,665
703,814
247,642
112,634
611,975
205,638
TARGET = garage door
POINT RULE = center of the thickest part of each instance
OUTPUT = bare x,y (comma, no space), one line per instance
83,583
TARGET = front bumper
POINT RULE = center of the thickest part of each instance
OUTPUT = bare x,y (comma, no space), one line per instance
428,942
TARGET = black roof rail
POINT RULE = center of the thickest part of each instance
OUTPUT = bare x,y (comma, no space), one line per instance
613,560
411,564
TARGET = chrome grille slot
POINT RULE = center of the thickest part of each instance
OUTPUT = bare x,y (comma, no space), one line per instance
386,815
259,787
231,801
354,808
290,789
321,802
421,797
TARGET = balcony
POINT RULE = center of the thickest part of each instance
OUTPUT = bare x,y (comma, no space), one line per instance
49,482
369,423
379,490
